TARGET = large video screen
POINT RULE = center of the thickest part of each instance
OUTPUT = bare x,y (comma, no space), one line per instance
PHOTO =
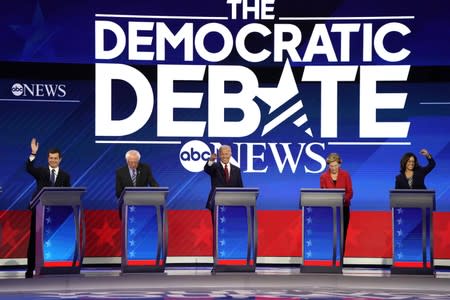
284,83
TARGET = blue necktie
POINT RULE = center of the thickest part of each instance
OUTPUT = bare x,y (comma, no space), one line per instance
53,177
133,177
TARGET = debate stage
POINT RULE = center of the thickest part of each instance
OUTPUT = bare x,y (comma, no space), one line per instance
199,283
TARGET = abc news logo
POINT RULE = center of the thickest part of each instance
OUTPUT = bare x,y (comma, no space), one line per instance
39,90
193,155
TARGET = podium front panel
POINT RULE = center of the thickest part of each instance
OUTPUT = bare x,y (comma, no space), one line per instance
235,231
59,236
322,231
145,229
142,238
412,235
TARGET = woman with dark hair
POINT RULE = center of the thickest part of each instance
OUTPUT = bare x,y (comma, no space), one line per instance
412,175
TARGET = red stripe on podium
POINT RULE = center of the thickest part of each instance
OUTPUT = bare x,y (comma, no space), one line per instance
321,263
239,262
410,264
54,264
142,262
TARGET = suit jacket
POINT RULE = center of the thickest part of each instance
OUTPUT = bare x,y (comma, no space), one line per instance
418,177
144,177
217,174
42,176
343,181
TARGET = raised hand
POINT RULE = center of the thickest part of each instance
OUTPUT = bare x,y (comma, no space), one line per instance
34,146
213,157
425,152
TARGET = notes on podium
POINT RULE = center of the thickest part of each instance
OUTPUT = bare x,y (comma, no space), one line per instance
144,229
235,229
59,226
322,230
412,231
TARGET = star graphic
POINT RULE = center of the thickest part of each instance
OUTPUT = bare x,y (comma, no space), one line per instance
308,243
309,253
48,209
309,220
223,242
223,220
276,97
132,209
47,255
132,231
132,220
400,232
48,244
223,209
37,36
309,209
399,211
132,254
48,220
106,234
131,242
202,233
399,221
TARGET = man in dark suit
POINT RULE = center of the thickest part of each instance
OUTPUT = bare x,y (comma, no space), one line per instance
223,173
134,173
51,175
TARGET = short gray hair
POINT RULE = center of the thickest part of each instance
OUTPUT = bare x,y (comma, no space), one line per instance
223,147
132,152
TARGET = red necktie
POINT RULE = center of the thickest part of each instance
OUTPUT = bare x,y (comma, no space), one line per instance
227,176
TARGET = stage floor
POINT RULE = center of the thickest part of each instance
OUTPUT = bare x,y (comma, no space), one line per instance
199,283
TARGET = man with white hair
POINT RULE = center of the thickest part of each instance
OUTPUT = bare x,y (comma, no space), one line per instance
134,173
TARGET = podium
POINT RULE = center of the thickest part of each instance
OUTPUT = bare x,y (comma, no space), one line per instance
412,231
322,230
144,229
235,229
60,234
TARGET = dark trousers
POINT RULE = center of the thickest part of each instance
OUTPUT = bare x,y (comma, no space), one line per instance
31,253
346,218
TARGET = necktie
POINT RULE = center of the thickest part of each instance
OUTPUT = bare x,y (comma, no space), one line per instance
227,175
133,177
53,177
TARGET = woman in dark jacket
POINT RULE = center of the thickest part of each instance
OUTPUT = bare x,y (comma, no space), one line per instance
412,175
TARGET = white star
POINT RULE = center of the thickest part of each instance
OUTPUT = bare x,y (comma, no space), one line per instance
309,220
132,254
48,220
48,244
223,219
132,242
132,209
309,209
48,255
132,219
309,253
48,209
399,210
399,221
308,243
399,232
222,242
132,231
222,208
400,255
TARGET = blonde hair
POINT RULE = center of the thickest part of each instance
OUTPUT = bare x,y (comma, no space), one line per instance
332,157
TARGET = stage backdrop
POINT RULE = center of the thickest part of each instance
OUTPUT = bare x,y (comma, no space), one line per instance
284,83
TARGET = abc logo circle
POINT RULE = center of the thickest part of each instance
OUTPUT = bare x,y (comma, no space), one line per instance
193,155
17,89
